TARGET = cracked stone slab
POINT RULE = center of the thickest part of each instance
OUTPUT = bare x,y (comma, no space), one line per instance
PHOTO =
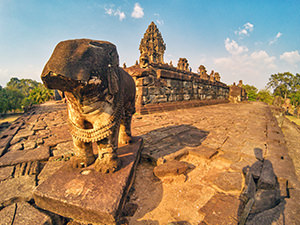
6,172
23,213
203,151
29,145
10,131
24,133
171,168
16,190
12,158
229,181
49,169
65,148
16,147
4,143
221,209
86,195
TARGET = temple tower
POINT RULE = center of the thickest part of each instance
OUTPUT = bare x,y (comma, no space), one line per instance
183,64
217,76
152,46
212,76
203,73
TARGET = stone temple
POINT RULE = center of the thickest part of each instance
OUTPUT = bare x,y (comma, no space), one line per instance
152,45
162,86
218,164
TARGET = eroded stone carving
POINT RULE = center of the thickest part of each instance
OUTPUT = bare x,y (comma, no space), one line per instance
212,76
144,60
183,64
100,97
203,73
217,77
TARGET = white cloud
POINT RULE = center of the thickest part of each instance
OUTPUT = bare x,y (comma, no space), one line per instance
253,61
262,57
113,12
233,48
158,20
138,11
109,11
292,57
278,35
245,30
249,26
120,14
253,68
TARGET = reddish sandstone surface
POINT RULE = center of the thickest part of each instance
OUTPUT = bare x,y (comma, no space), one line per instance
215,164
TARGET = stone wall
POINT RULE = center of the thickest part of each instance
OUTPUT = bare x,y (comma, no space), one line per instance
161,84
237,93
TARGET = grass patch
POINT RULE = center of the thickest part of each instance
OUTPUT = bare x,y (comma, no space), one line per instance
294,119
10,117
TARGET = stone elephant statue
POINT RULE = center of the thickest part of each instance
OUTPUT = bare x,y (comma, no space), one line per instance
100,99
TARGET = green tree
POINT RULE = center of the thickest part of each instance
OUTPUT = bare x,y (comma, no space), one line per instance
23,85
286,85
283,83
10,100
38,95
20,94
251,92
265,96
15,98
3,101
295,98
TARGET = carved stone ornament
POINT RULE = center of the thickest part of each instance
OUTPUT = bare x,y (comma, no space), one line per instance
100,97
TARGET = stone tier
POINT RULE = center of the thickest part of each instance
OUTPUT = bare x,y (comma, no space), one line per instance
168,106
162,87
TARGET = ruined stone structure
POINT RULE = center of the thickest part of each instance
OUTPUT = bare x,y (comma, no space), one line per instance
203,73
217,77
183,64
152,45
162,86
237,93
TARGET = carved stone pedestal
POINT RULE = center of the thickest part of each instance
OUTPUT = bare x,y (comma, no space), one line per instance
88,196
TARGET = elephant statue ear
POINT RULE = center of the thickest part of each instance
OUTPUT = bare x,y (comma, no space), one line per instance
113,80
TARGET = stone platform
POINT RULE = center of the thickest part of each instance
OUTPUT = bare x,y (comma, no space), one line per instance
191,172
86,195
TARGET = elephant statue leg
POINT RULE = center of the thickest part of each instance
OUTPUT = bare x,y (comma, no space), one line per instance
83,154
125,130
108,161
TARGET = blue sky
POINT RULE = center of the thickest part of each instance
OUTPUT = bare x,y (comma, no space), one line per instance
248,40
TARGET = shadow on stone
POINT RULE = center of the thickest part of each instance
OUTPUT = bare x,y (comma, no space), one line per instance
144,196
168,143
163,149
261,201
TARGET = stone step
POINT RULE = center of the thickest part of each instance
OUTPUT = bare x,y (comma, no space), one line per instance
86,195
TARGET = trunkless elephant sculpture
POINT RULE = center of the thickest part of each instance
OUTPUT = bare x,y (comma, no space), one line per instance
100,98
